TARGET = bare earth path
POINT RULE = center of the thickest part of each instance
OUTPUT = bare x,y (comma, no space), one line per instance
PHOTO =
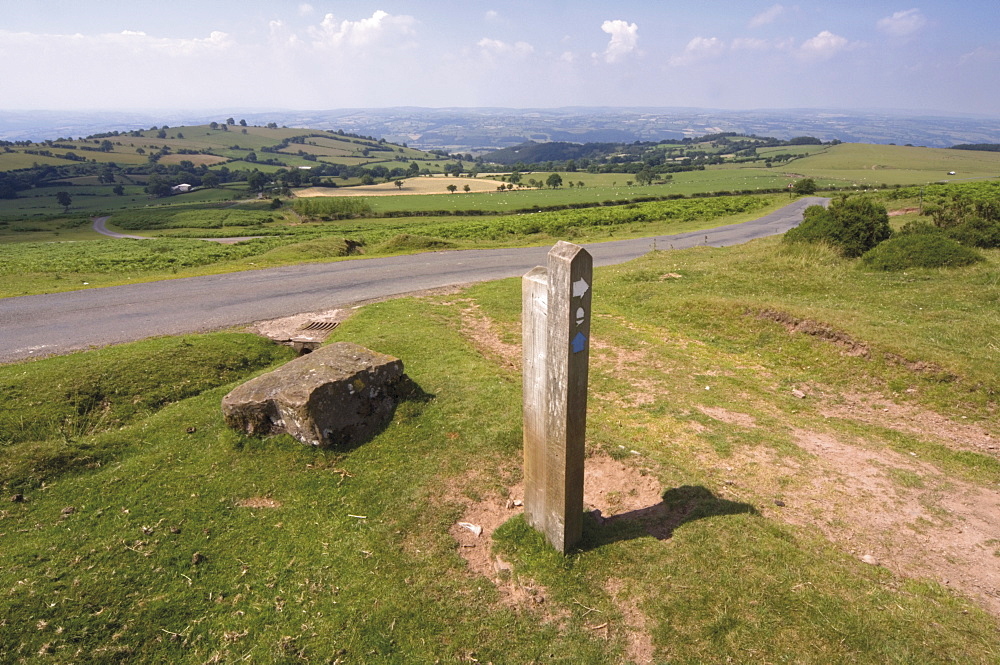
50,324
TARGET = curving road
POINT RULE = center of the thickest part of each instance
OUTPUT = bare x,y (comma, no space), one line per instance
56,323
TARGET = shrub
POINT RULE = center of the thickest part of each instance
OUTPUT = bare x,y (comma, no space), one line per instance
977,232
919,250
854,225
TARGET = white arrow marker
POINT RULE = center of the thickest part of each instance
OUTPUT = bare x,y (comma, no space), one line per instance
581,316
580,288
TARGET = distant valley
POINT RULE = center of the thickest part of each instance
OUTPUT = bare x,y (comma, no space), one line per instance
478,130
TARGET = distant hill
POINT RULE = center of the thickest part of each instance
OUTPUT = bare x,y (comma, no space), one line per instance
479,130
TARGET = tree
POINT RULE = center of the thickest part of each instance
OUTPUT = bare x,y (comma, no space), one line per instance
251,157
157,186
805,186
413,169
243,123
452,188
256,181
213,125
119,190
554,180
467,189
64,199
230,121
399,184
210,180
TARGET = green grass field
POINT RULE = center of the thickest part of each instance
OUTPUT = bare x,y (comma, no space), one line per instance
873,165
149,532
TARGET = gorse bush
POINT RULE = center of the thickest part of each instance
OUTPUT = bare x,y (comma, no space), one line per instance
919,250
853,225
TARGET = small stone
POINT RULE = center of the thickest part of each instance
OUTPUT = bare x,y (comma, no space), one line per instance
68,510
779,503
870,560
798,393
17,498
197,558
518,502
175,529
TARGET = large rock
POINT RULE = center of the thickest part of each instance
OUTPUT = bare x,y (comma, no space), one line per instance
339,395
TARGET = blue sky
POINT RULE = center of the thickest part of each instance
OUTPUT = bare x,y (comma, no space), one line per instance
731,54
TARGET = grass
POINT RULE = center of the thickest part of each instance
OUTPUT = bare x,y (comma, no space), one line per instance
152,533
42,267
877,165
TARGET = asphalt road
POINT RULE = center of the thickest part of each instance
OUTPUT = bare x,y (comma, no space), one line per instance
57,323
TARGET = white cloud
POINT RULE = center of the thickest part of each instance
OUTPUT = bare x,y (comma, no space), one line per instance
380,25
305,9
698,49
982,54
79,46
902,24
624,39
497,48
492,15
824,45
769,15
750,44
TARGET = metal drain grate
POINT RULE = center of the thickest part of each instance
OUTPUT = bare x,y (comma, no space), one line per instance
325,326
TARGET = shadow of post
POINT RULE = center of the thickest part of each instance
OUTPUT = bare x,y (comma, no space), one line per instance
680,505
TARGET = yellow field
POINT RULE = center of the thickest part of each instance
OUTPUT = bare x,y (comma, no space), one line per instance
420,185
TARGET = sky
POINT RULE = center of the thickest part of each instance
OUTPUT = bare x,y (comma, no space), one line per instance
724,54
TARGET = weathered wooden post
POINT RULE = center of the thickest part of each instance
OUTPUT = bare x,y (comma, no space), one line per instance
556,346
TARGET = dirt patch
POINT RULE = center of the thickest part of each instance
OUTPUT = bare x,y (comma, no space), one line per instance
258,502
890,509
638,641
484,334
729,417
875,410
903,211
617,489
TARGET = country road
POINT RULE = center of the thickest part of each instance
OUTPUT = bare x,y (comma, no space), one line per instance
57,323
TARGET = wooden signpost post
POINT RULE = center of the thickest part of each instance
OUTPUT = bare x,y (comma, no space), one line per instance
556,345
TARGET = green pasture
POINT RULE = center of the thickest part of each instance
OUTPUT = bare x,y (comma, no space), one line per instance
872,165
147,531
14,160
801,150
